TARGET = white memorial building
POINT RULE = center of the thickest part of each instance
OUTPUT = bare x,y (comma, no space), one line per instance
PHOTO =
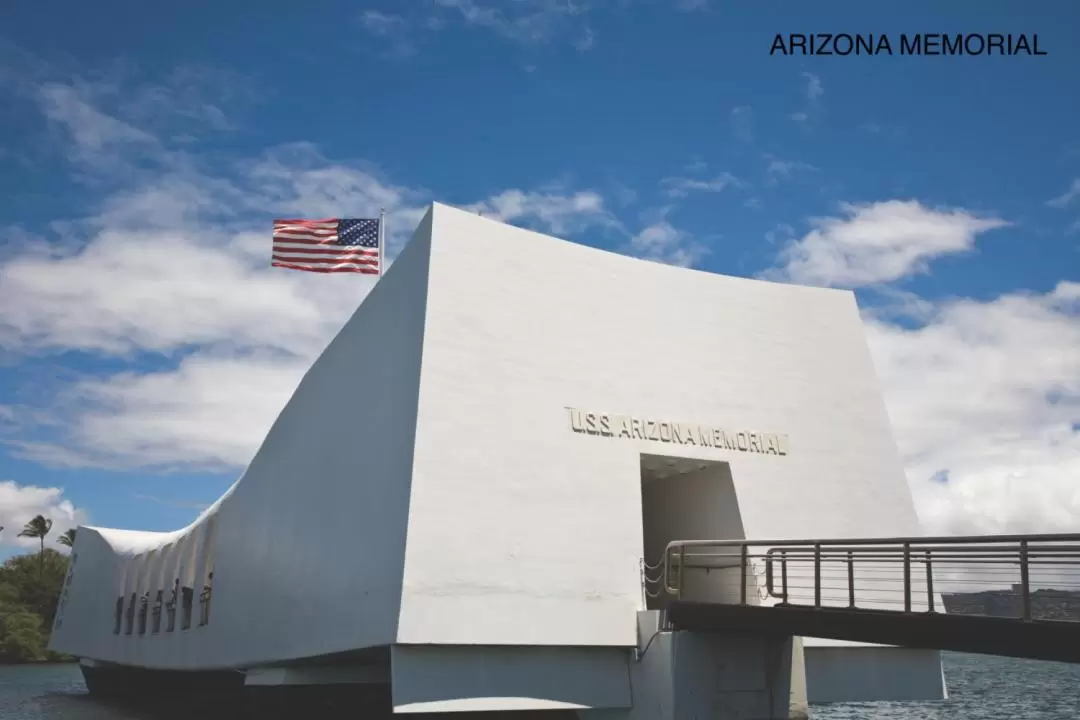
459,496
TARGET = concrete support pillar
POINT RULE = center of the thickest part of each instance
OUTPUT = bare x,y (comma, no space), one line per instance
715,676
731,677
798,705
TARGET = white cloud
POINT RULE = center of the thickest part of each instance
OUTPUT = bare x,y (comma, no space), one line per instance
20,503
813,92
117,123
742,123
192,96
166,284
984,396
777,169
683,186
660,241
524,21
209,413
887,131
988,394
586,41
94,134
1067,198
878,243
380,23
245,333
554,210
396,30
782,233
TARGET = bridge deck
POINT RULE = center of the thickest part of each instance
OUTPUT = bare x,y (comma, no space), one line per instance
1035,639
1016,596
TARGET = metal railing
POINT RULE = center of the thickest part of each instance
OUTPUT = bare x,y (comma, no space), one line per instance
1028,577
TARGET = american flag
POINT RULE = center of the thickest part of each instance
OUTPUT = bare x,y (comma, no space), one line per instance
331,245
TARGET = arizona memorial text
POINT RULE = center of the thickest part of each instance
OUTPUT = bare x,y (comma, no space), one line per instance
905,44
626,426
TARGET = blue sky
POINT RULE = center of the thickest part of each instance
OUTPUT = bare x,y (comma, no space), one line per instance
146,346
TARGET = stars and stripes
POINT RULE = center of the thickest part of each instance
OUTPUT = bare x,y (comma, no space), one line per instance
331,245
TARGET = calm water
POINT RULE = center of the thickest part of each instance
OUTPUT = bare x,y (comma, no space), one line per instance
980,688
983,687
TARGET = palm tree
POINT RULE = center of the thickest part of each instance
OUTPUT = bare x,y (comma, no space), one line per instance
67,539
38,527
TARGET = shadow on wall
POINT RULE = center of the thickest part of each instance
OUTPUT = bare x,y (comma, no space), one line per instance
190,564
689,499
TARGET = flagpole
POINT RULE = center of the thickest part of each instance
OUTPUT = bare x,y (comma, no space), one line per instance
382,239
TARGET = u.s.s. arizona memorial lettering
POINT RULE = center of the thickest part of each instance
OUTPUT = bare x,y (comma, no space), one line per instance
679,433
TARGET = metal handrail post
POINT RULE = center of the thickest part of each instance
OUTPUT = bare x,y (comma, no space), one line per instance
851,578
744,556
1025,581
783,573
666,578
682,570
907,577
929,582
817,575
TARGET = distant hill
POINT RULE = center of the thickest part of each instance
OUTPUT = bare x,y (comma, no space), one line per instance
1045,604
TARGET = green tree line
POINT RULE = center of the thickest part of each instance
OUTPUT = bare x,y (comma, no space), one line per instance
30,587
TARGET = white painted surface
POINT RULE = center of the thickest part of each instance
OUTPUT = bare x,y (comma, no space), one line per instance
798,700
474,678
513,523
445,500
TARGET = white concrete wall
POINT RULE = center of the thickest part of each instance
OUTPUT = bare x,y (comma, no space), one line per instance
308,547
526,532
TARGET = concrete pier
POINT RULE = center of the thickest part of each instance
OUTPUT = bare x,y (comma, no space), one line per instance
688,675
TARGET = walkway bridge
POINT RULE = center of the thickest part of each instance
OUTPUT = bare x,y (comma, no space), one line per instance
1016,595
